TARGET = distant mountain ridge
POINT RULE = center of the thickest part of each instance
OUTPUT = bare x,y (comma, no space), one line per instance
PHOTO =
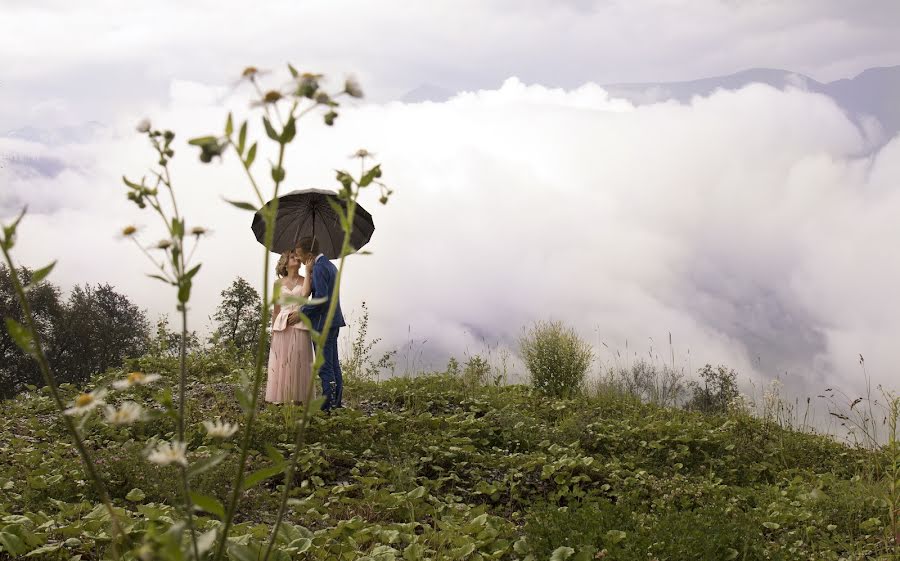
874,93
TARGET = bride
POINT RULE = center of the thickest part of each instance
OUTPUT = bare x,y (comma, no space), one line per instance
290,354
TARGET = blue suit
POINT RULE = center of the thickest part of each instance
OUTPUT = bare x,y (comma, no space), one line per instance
324,277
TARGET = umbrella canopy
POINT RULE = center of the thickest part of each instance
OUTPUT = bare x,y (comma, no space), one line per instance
306,213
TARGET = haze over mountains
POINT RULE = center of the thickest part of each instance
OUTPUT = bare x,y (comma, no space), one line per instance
872,94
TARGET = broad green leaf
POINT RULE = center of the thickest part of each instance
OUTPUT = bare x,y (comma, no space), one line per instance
242,205
21,335
615,536
772,525
229,126
211,505
239,552
49,548
12,544
562,553
417,493
261,475
251,156
135,495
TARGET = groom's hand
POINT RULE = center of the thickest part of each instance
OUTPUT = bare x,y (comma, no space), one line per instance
293,318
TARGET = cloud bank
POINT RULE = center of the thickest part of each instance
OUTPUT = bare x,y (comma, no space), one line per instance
743,223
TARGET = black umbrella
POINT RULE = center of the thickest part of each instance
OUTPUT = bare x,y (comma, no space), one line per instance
306,213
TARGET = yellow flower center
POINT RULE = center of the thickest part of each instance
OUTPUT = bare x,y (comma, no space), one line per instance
84,399
272,96
135,377
128,230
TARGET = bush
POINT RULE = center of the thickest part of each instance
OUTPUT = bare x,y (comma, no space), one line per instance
716,393
556,357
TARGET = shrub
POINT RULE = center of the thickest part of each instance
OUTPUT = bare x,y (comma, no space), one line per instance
718,390
556,357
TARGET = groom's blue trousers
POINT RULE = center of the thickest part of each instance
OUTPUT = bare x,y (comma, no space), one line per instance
330,373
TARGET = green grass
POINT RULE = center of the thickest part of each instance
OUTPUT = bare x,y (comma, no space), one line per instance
434,467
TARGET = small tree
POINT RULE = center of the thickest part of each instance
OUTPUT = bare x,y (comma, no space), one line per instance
556,357
717,390
237,317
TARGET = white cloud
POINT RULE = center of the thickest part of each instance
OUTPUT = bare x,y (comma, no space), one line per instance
742,223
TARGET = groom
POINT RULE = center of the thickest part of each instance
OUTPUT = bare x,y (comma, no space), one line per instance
324,277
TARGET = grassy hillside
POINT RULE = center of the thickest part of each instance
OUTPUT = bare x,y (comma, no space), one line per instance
436,468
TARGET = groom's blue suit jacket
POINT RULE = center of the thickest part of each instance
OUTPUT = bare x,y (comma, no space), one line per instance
324,277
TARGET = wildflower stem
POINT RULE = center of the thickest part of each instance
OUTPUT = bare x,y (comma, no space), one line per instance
258,369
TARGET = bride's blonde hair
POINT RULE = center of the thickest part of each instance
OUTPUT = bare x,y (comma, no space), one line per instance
281,267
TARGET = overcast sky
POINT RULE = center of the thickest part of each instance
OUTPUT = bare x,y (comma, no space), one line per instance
743,223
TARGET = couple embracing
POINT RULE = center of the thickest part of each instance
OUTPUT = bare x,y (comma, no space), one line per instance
291,351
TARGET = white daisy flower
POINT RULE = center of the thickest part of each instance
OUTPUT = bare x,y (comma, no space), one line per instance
135,379
126,414
218,429
87,402
167,453
143,125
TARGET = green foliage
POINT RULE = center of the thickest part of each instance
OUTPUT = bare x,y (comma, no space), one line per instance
556,357
432,467
716,392
237,316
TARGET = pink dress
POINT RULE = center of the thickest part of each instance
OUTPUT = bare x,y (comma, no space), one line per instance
290,357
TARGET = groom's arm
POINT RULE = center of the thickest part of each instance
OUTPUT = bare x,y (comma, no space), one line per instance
321,288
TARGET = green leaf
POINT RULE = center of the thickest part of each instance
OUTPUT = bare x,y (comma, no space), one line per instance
562,553
184,291
417,493
242,139
239,552
229,126
12,544
21,335
772,525
270,130
251,156
274,454
293,70
202,141
190,274
242,205
40,275
205,464
290,131
615,536
211,505
135,495
370,176
9,232
177,228
158,277
49,548
277,174
261,475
